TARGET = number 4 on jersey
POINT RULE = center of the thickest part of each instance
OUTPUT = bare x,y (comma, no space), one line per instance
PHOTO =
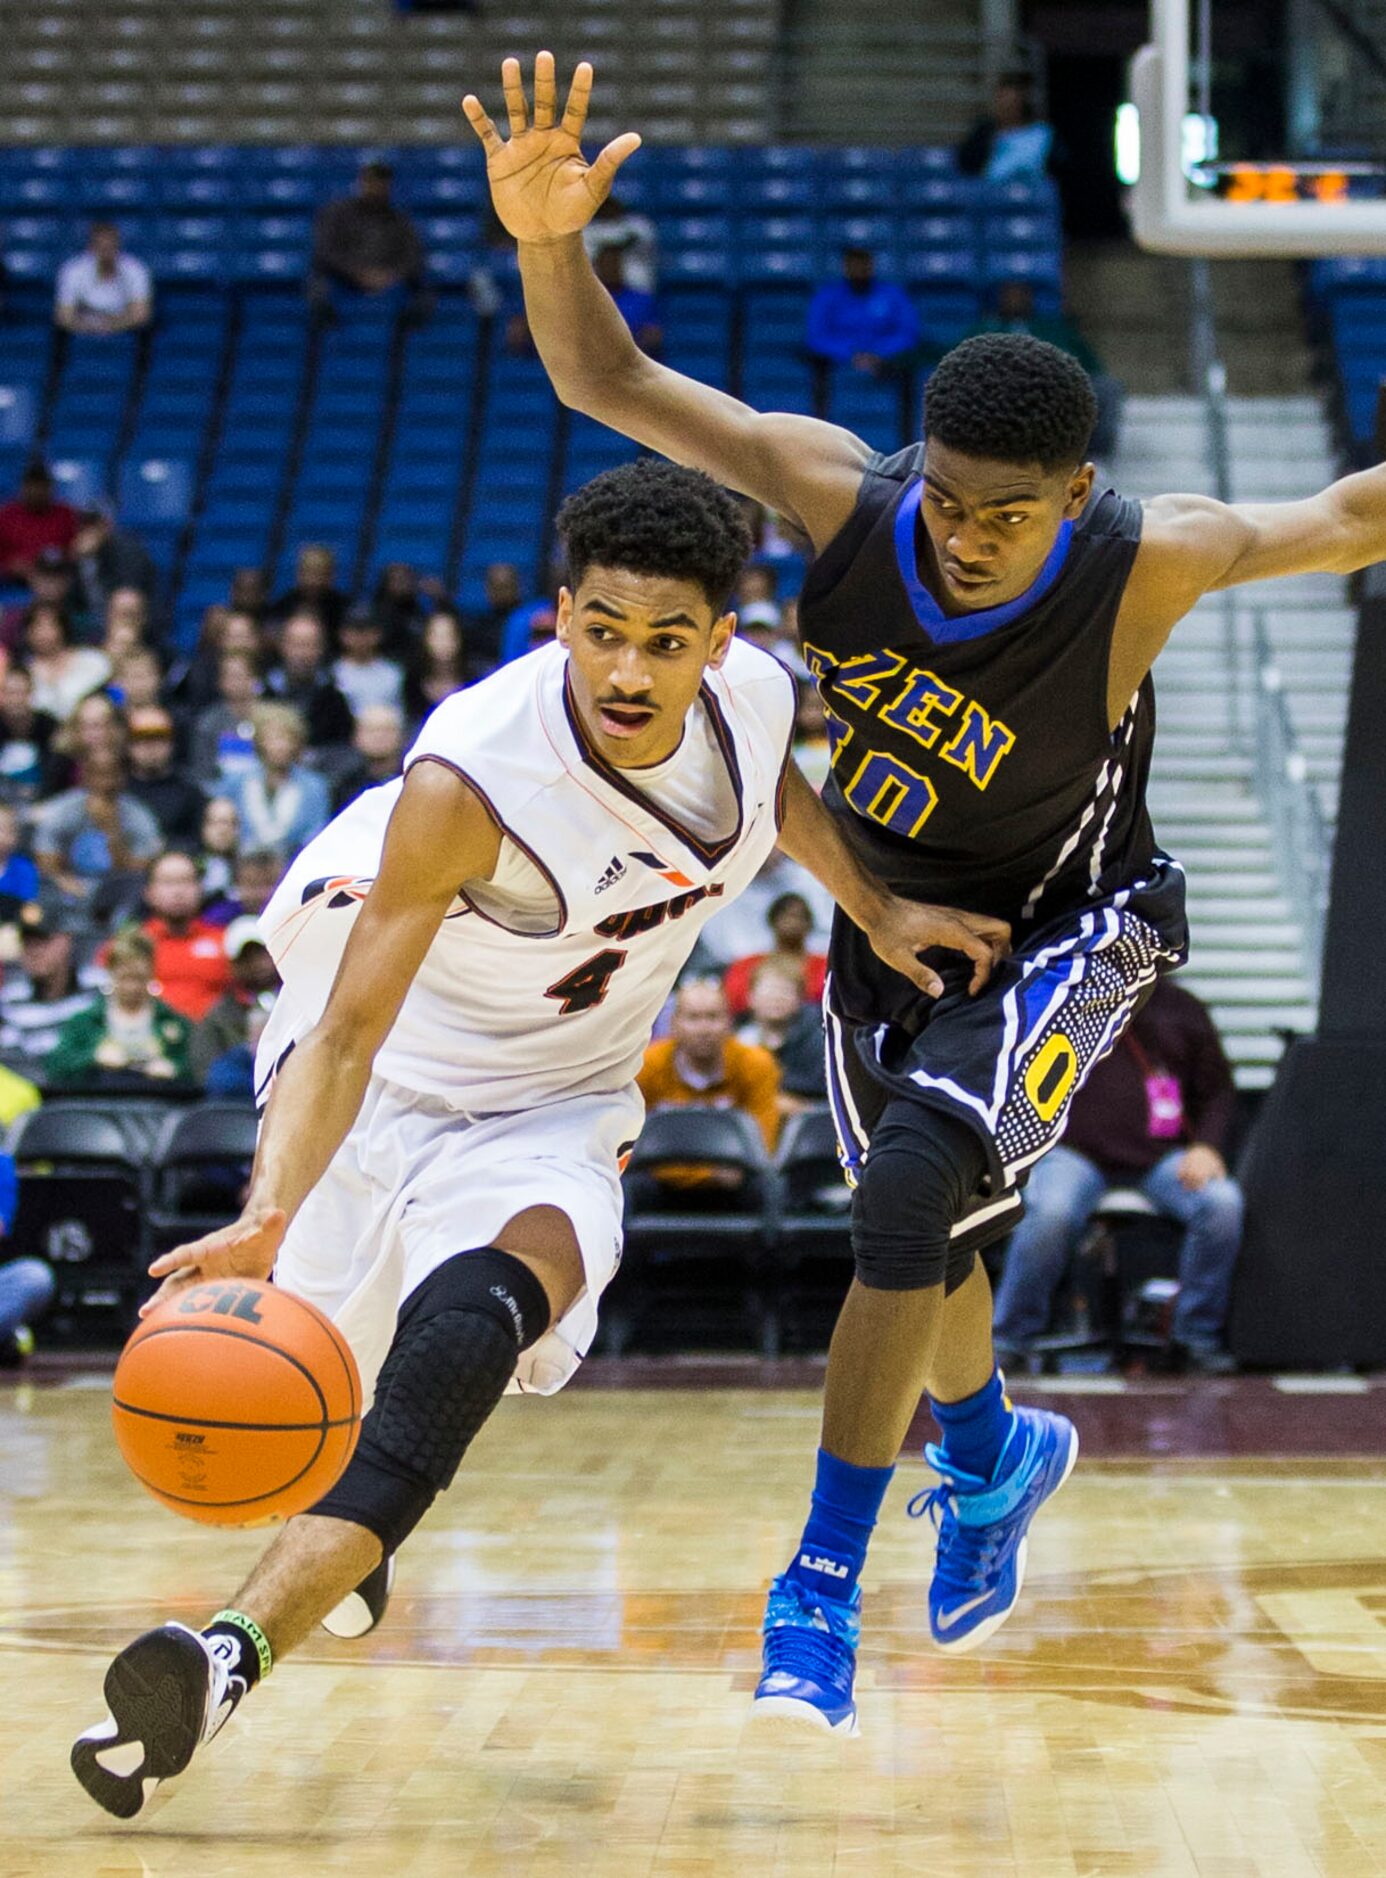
587,984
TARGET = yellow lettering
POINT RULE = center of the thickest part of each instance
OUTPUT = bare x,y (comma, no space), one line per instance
979,745
910,710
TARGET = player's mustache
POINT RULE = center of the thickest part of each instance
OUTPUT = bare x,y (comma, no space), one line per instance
627,704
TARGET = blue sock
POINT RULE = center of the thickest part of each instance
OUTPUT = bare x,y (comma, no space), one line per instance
975,1430
846,1500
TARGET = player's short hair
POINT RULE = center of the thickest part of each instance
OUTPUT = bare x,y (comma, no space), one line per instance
653,517
1013,399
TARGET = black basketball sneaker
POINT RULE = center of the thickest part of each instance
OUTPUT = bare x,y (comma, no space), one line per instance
168,1692
362,1609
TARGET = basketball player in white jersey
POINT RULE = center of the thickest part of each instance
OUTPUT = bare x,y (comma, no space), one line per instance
473,958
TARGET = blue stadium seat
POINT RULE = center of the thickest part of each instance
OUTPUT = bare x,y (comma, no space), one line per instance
18,411
1021,195
935,267
155,490
927,189
776,194
78,480
685,266
709,194
1041,267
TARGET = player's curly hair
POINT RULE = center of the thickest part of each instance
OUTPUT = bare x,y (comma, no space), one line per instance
655,517
1012,399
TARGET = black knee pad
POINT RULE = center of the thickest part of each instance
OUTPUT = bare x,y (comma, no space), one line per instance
922,1169
454,1350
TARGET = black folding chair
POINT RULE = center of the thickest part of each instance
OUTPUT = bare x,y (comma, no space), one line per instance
730,1219
201,1168
83,1187
813,1248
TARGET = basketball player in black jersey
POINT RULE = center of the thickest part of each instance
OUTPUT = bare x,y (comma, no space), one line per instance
982,627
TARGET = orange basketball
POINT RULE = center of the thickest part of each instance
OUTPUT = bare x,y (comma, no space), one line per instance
236,1402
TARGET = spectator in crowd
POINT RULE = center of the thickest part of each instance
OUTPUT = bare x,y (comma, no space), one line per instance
137,680
483,628
314,591
790,919
367,244
757,587
218,847
614,229
96,833
702,1062
439,668
360,673
96,727
494,283
124,622
1013,140
249,593
778,1020
127,1035
1156,1114
19,878
740,930
861,322
33,521
252,984
812,751
1015,313
231,1076
223,739
302,679
530,626
636,305
174,801
103,290
402,602
50,584
379,753
41,992
190,960
282,804
29,765
27,1289
258,871
63,674
109,559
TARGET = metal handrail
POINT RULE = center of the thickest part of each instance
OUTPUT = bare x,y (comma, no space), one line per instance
1292,806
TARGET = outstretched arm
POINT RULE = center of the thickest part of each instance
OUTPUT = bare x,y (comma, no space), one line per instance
899,930
440,835
545,193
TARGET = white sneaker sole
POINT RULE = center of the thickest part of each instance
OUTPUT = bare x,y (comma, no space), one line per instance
784,1715
974,1639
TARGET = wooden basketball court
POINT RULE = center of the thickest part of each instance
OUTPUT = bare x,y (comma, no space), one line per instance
1194,1684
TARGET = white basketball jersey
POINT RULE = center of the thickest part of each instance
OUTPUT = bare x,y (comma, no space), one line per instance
544,982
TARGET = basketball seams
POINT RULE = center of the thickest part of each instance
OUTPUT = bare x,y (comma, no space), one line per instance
253,1428
240,1336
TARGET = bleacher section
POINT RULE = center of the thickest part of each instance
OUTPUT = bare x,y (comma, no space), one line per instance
1350,293
245,433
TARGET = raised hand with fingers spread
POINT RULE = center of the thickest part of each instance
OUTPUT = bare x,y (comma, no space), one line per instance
542,185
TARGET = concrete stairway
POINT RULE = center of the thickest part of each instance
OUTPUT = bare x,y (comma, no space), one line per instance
876,73
1248,950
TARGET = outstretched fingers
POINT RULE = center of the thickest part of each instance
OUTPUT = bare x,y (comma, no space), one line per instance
603,172
579,97
545,91
512,84
475,113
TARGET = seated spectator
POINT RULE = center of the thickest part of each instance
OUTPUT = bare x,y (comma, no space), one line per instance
174,802
190,962
493,285
50,584
96,727
483,628
108,560
740,930
366,244
126,1036
402,603
249,593
223,738
258,872
29,765
218,846
530,626
103,290
438,668
379,748
360,673
314,591
19,878
302,679
137,681
63,674
1015,313
27,1288
32,522
125,623
96,833
702,1062
1013,141
790,919
614,228
231,1076
636,305
282,804
812,751
779,1021
1155,1114
860,321
251,987
40,993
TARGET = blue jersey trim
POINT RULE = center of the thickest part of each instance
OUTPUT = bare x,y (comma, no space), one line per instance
946,629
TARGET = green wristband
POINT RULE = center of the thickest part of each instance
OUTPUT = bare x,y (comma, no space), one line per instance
254,1632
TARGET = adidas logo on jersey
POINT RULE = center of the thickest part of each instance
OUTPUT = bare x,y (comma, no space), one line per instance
616,870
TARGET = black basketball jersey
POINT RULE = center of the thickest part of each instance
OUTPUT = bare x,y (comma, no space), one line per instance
972,760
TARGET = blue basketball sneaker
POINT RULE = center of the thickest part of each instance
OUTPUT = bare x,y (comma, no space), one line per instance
810,1659
980,1565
